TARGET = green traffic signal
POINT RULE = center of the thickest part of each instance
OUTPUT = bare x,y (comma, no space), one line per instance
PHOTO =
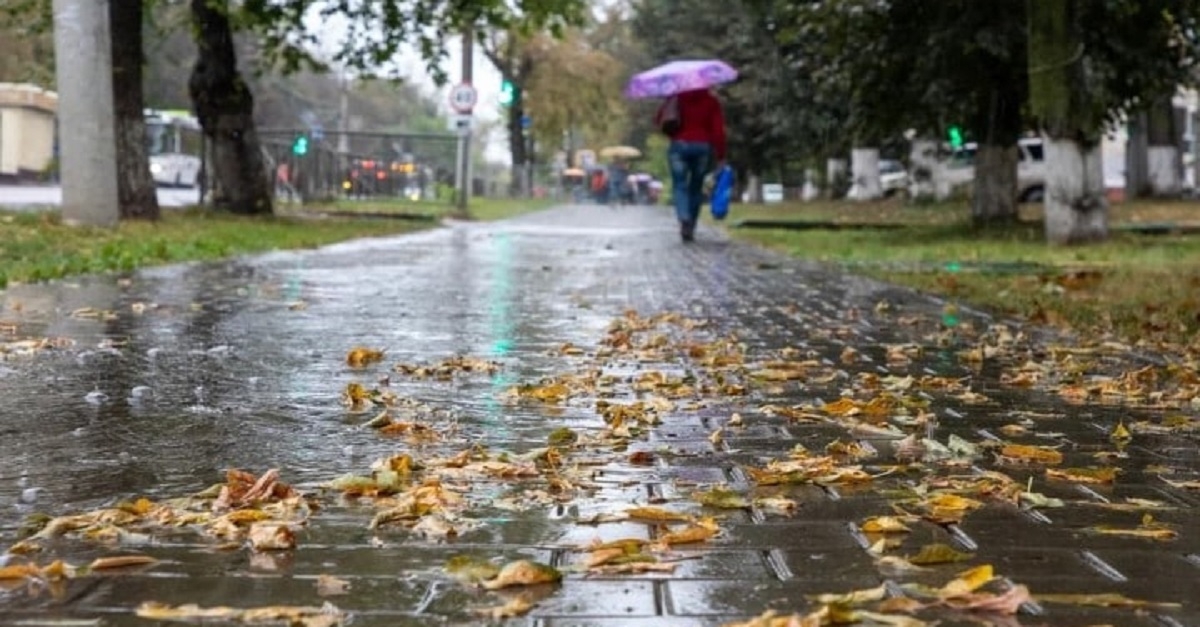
508,93
956,137
300,146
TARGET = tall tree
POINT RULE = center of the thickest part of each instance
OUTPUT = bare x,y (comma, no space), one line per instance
136,191
1076,209
225,108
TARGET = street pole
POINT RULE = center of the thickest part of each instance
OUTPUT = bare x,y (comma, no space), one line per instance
464,164
86,131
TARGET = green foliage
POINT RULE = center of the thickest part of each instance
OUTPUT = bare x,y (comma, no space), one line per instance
377,31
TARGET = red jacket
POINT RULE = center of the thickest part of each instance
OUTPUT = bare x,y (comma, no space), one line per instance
702,120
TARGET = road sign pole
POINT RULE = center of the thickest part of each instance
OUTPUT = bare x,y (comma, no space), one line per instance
464,142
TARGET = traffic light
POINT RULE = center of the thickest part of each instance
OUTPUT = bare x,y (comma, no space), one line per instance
508,93
956,137
300,146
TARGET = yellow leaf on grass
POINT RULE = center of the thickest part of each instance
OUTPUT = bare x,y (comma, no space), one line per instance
522,573
1031,454
1120,433
361,356
967,581
884,524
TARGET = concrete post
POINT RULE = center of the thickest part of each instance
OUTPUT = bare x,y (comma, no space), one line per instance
86,127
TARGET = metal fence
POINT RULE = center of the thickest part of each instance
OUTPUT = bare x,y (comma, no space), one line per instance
307,166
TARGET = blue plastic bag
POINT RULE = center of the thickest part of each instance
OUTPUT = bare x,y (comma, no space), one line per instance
722,193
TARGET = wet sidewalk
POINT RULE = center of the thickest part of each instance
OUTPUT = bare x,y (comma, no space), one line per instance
544,377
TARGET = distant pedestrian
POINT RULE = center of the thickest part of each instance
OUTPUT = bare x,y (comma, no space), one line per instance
696,125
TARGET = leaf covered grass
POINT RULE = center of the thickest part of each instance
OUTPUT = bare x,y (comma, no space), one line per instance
486,209
39,247
1132,287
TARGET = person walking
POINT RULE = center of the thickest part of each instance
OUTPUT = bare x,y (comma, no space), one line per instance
696,125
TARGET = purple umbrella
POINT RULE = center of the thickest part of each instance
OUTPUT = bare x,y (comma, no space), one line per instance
679,76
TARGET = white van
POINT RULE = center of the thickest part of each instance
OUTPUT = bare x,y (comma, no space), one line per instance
958,169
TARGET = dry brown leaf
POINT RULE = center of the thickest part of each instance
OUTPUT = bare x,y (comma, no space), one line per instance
1104,474
634,567
121,561
267,536
328,585
1031,454
967,582
522,573
884,524
516,606
361,357
19,571
1008,602
699,532
657,514
1105,599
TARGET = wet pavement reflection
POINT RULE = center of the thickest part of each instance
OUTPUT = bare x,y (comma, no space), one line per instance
159,382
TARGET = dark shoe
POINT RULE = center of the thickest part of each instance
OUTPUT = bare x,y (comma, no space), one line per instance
687,230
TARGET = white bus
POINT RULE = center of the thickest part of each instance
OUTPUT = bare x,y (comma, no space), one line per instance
173,143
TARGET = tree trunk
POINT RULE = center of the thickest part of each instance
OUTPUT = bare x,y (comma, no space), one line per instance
136,192
225,109
994,198
1076,206
1164,166
836,181
924,169
864,168
1136,150
517,146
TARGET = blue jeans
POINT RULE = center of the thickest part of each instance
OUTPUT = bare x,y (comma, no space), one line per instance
689,162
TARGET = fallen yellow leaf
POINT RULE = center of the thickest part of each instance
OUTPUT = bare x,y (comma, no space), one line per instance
967,581
522,573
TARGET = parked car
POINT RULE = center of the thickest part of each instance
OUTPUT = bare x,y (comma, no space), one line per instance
959,168
893,179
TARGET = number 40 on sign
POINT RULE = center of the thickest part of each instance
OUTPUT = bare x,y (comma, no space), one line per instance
463,98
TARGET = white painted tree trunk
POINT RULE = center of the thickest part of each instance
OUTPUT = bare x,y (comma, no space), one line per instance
864,169
754,188
87,134
1164,170
835,177
924,169
812,187
1076,207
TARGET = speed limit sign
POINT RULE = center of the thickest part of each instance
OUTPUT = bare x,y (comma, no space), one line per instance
463,97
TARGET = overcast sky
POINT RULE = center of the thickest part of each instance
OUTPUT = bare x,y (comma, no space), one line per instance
412,67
